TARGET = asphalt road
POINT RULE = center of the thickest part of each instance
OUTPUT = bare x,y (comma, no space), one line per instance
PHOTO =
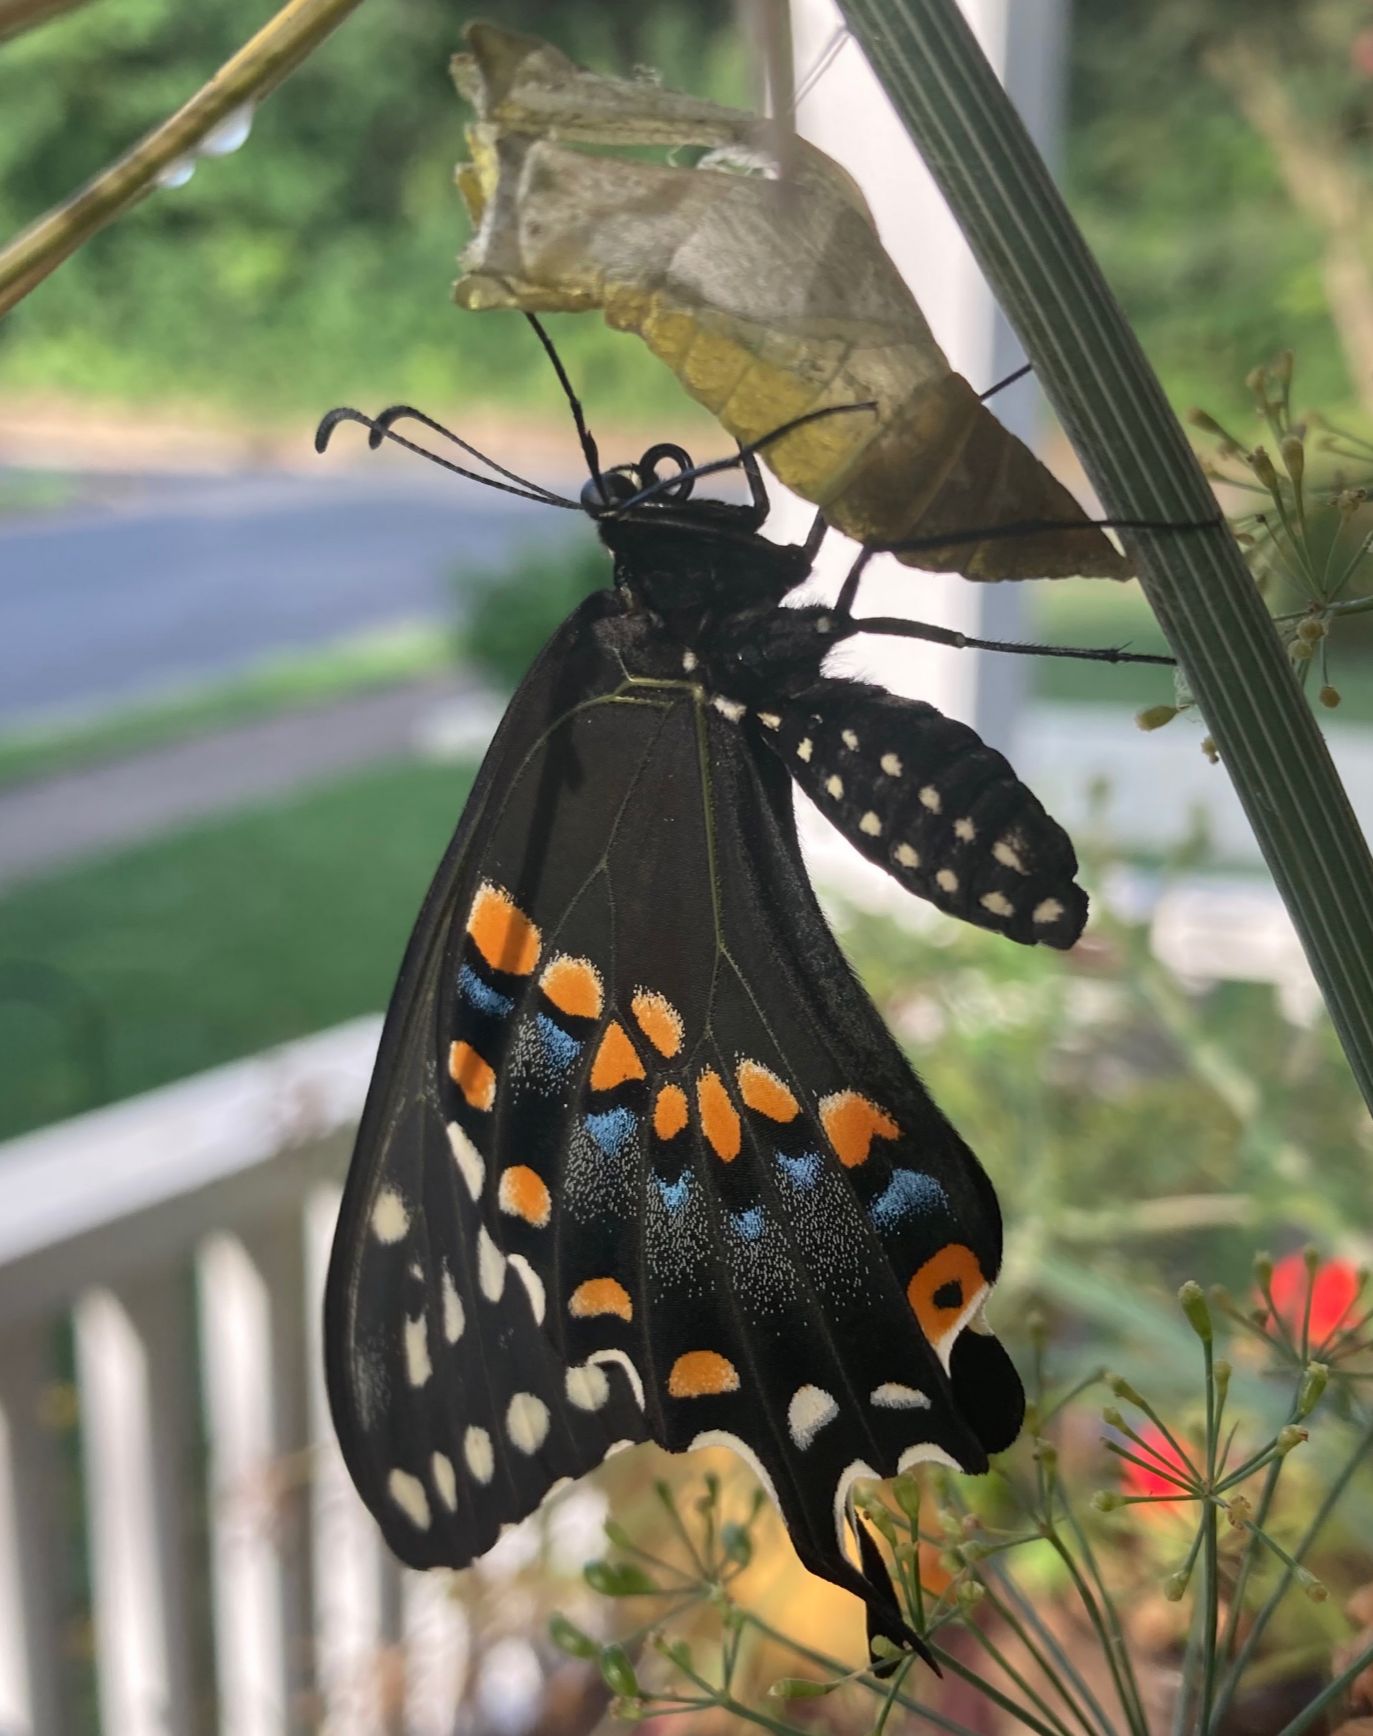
164,581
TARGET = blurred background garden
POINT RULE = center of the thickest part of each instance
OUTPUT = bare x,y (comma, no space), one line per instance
243,692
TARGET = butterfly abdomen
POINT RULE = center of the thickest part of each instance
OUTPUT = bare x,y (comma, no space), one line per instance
925,798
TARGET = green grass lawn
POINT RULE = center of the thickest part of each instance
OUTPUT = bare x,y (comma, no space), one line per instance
123,974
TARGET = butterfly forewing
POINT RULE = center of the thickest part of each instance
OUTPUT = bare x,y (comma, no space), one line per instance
924,797
680,1178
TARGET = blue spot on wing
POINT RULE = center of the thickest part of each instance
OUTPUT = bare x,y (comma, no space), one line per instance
748,1224
560,1049
611,1129
481,995
803,1169
674,1193
907,1193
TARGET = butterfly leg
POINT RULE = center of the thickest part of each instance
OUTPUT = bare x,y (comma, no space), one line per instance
757,488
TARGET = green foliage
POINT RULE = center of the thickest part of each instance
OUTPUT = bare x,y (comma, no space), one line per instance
509,613
1025,1586
1184,204
190,951
314,265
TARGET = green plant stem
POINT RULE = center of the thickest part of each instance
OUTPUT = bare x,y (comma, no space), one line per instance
257,68
1246,1566
1064,1663
1042,1662
1122,1649
1210,1614
1035,1698
1312,1711
1099,382
832,1667
1357,1457
1110,1651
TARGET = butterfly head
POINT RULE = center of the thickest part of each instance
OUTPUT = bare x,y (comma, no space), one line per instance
674,552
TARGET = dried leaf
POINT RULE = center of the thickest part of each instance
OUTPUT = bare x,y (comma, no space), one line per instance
767,294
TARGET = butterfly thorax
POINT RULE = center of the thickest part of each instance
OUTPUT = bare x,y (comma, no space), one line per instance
675,556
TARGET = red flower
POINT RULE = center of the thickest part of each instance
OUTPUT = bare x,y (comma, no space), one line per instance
1137,1480
1333,1294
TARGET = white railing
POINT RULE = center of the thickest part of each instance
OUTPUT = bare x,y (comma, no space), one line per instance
179,1240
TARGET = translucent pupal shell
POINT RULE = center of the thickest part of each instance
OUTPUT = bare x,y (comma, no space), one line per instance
758,277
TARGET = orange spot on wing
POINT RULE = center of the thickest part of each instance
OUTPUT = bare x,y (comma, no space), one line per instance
850,1122
719,1117
700,1373
523,1195
942,1289
616,1060
475,1078
600,1296
503,934
762,1090
573,985
659,1021
670,1112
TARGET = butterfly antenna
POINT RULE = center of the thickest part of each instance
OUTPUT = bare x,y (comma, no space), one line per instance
584,435
715,465
344,413
386,419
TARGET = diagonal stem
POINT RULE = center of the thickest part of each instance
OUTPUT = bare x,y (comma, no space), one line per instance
1098,380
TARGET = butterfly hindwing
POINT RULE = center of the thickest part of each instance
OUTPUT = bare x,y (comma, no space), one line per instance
925,798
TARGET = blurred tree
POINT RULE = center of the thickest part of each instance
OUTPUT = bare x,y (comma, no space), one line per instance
1301,77
320,255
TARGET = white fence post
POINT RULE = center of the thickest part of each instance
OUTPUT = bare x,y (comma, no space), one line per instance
847,114
33,1655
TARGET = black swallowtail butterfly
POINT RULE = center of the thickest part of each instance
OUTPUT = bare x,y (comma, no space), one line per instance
640,1159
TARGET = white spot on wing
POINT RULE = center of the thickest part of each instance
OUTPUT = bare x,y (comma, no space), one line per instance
810,1409
532,1283
620,1357
688,661
469,1160
891,764
390,1220
1049,910
722,1438
804,748
947,879
924,1453
835,785
490,1267
587,1387
408,1494
906,856
417,1366
891,1395
965,830
769,720
729,709
454,1318
445,1480
1008,855
870,824
850,739
998,904
476,1450
526,1422
931,799
842,1490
